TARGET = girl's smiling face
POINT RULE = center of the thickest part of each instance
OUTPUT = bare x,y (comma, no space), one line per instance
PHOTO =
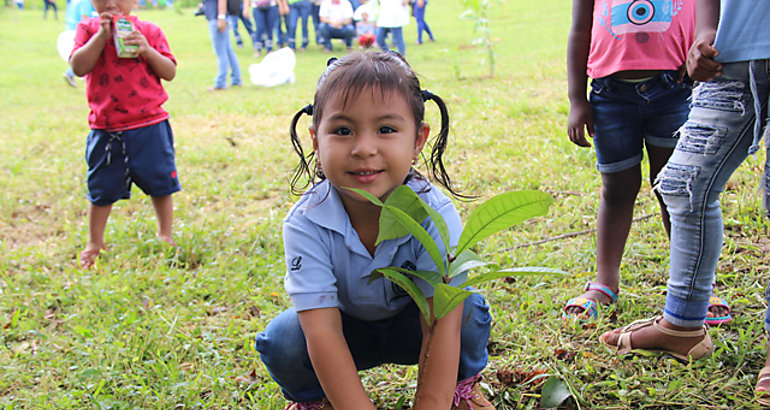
367,142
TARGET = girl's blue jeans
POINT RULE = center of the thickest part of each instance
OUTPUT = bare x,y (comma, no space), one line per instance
723,128
226,58
422,25
267,24
398,38
297,10
372,343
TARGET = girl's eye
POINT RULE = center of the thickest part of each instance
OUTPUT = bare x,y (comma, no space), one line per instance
343,131
386,130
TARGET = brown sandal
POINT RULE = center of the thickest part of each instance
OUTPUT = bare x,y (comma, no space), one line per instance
699,351
763,396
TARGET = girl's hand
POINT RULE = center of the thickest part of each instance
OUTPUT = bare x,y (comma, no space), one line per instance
581,119
138,39
105,28
700,59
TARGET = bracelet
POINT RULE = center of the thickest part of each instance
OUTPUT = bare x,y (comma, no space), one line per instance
221,17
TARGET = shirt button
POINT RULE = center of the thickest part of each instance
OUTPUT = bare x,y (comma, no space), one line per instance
643,88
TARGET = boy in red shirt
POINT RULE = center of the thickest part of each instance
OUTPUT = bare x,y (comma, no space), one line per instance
130,138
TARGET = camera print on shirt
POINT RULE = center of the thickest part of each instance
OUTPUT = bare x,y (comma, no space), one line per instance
638,17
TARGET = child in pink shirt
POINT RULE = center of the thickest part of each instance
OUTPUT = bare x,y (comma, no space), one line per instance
635,53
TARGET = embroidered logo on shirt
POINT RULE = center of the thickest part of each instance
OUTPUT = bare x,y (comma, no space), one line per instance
398,291
296,263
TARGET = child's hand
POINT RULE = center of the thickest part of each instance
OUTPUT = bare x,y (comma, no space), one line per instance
581,119
700,59
105,29
138,39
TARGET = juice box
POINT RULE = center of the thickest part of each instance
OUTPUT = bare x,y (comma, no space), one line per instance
123,26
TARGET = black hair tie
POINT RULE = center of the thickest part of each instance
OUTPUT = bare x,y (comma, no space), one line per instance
426,95
308,109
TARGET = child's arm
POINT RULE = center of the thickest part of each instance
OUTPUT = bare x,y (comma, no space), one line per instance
283,7
163,66
439,369
700,59
331,358
84,59
581,117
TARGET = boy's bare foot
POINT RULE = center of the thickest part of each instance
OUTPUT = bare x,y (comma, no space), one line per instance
651,338
89,254
168,239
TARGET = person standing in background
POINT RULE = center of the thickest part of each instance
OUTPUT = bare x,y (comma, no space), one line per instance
76,11
394,15
227,61
422,25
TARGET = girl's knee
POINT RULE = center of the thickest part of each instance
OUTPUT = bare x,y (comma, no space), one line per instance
476,314
282,340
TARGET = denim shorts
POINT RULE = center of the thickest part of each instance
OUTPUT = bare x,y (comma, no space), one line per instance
144,156
629,114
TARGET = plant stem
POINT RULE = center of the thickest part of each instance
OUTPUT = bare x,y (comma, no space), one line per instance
423,360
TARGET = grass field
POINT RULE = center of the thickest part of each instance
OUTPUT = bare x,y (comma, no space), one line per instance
156,327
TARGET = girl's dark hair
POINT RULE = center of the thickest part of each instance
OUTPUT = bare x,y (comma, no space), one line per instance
346,78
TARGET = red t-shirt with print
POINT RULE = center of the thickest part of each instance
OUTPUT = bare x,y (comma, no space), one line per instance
124,93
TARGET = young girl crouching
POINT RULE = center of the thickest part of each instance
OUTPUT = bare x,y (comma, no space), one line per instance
367,133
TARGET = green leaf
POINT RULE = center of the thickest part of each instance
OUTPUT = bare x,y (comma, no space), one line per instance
501,212
405,199
464,262
438,222
446,298
373,199
402,213
407,285
419,232
429,276
555,391
521,271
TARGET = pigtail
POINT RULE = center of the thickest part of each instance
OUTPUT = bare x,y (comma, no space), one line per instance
436,162
302,173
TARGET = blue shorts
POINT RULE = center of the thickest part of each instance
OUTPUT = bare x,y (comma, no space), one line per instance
144,156
629,114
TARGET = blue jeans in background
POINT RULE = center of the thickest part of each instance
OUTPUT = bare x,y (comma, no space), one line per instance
226,58
246,24
266,21
724,127
297,10
419,15
282,36
396,340
398,38
315,9
346,32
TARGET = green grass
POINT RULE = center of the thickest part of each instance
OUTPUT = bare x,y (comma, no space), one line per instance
154,327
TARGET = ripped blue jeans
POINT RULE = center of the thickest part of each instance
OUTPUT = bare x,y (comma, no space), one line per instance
724,127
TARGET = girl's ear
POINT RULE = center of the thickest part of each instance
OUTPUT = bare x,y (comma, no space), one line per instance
311,129
422,137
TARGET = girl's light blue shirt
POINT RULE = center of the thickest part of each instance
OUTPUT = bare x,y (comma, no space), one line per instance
743,33
327,266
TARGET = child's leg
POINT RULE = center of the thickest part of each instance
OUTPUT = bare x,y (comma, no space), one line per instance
97,222
283,349
164,209
763,381
658,157
616,210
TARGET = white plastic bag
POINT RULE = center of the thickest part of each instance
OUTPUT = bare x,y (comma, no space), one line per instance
64,44
275,69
